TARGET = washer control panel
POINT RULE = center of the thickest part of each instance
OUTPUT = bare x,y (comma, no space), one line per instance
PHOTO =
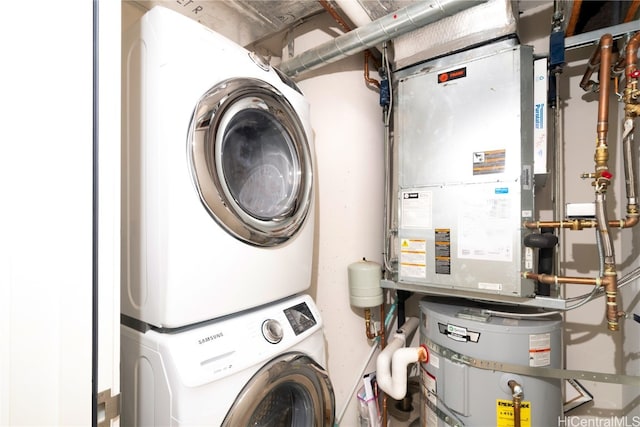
300,317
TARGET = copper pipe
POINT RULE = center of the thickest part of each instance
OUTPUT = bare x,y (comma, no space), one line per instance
335,15
571,224
555,280
346,28
517,394
631,58
575,14
631,12
629,221
367,56
605,46
594,62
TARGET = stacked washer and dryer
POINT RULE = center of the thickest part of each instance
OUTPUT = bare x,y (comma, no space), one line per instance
217,232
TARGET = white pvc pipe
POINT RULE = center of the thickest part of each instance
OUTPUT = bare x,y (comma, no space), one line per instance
392,362
402,358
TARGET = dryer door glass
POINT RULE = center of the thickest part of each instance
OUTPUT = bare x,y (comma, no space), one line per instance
259,164
250,161
291,390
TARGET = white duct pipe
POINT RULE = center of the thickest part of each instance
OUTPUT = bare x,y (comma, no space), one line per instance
392,362
386,28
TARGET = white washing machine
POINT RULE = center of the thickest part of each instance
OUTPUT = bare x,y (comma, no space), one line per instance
217,205
263,367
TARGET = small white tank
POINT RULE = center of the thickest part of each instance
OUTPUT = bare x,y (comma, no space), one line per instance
454,393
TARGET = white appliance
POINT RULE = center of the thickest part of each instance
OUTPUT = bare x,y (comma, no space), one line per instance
262,367
217,185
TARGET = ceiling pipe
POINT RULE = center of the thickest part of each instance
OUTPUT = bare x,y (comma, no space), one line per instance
386,28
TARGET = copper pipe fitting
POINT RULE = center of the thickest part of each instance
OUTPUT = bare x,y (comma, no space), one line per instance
611,291
368,324
555,280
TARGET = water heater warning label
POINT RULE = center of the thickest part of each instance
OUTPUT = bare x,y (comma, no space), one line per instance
539,349
504,413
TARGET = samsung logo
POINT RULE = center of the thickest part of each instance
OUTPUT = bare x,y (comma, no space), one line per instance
539,115
210,338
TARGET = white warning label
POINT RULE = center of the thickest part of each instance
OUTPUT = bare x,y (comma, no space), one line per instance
539,349
413,258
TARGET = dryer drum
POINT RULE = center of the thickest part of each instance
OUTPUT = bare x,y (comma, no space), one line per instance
250,161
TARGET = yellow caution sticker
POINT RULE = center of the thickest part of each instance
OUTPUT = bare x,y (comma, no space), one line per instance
505,416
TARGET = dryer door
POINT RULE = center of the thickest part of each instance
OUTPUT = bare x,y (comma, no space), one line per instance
250,161
291,390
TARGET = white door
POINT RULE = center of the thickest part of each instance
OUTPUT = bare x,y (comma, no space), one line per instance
46,210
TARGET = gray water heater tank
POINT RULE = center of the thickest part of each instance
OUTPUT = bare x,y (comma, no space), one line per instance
455,393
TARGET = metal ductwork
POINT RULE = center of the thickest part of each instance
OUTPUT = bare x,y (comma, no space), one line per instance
386,28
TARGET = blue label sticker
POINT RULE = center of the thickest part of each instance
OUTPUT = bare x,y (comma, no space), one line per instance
539,116
502,190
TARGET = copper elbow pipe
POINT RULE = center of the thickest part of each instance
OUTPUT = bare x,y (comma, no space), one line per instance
367,56
631,53
609,281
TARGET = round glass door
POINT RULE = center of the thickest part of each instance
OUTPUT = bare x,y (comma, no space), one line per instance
291,390
250,161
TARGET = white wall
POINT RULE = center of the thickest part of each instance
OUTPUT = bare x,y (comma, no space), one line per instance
349,161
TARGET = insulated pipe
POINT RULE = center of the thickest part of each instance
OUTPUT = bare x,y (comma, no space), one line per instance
391,366
386,28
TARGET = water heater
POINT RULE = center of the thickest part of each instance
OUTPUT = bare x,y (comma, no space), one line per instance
454,393
463,156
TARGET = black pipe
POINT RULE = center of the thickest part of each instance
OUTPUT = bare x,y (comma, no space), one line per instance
402,297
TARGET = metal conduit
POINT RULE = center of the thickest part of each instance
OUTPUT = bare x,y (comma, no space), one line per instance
386,28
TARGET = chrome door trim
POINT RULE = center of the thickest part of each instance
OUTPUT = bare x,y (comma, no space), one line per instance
208,117
295,368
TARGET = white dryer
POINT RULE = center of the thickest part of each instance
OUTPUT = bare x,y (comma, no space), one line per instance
217,205
263,367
